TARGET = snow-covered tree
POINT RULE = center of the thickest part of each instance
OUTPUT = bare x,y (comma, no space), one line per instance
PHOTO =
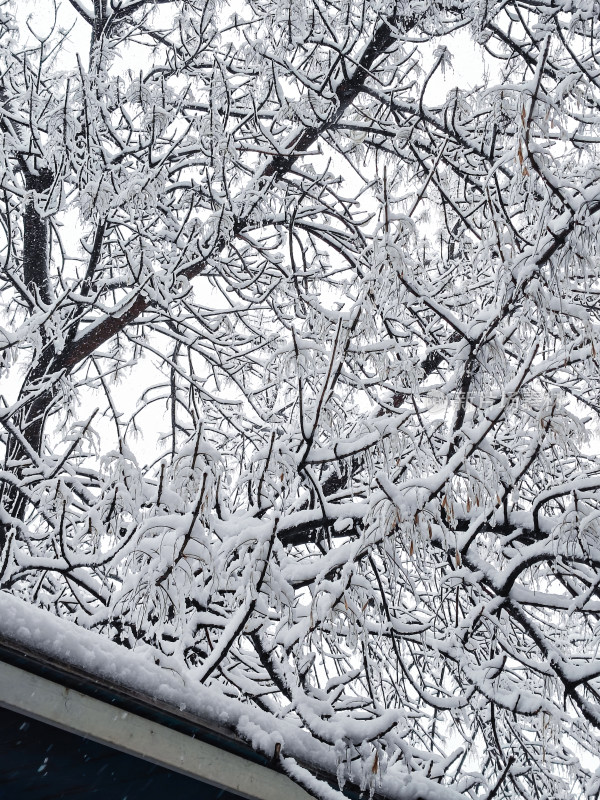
300,365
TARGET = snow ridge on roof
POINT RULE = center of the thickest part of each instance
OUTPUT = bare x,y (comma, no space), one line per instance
135,672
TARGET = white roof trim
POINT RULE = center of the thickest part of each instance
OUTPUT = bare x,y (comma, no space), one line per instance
78,713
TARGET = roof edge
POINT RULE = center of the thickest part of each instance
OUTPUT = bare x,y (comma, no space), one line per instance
73,711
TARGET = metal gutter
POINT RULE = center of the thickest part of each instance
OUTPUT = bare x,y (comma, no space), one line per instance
156,715
69,676
79,713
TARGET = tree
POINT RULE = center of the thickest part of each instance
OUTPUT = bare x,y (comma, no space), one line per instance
365,323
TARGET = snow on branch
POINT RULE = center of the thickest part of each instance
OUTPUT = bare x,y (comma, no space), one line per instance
299,342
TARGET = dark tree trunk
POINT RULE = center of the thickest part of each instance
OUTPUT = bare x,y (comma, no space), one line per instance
38,389
35,241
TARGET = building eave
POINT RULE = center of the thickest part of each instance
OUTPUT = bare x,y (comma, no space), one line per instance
76,712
